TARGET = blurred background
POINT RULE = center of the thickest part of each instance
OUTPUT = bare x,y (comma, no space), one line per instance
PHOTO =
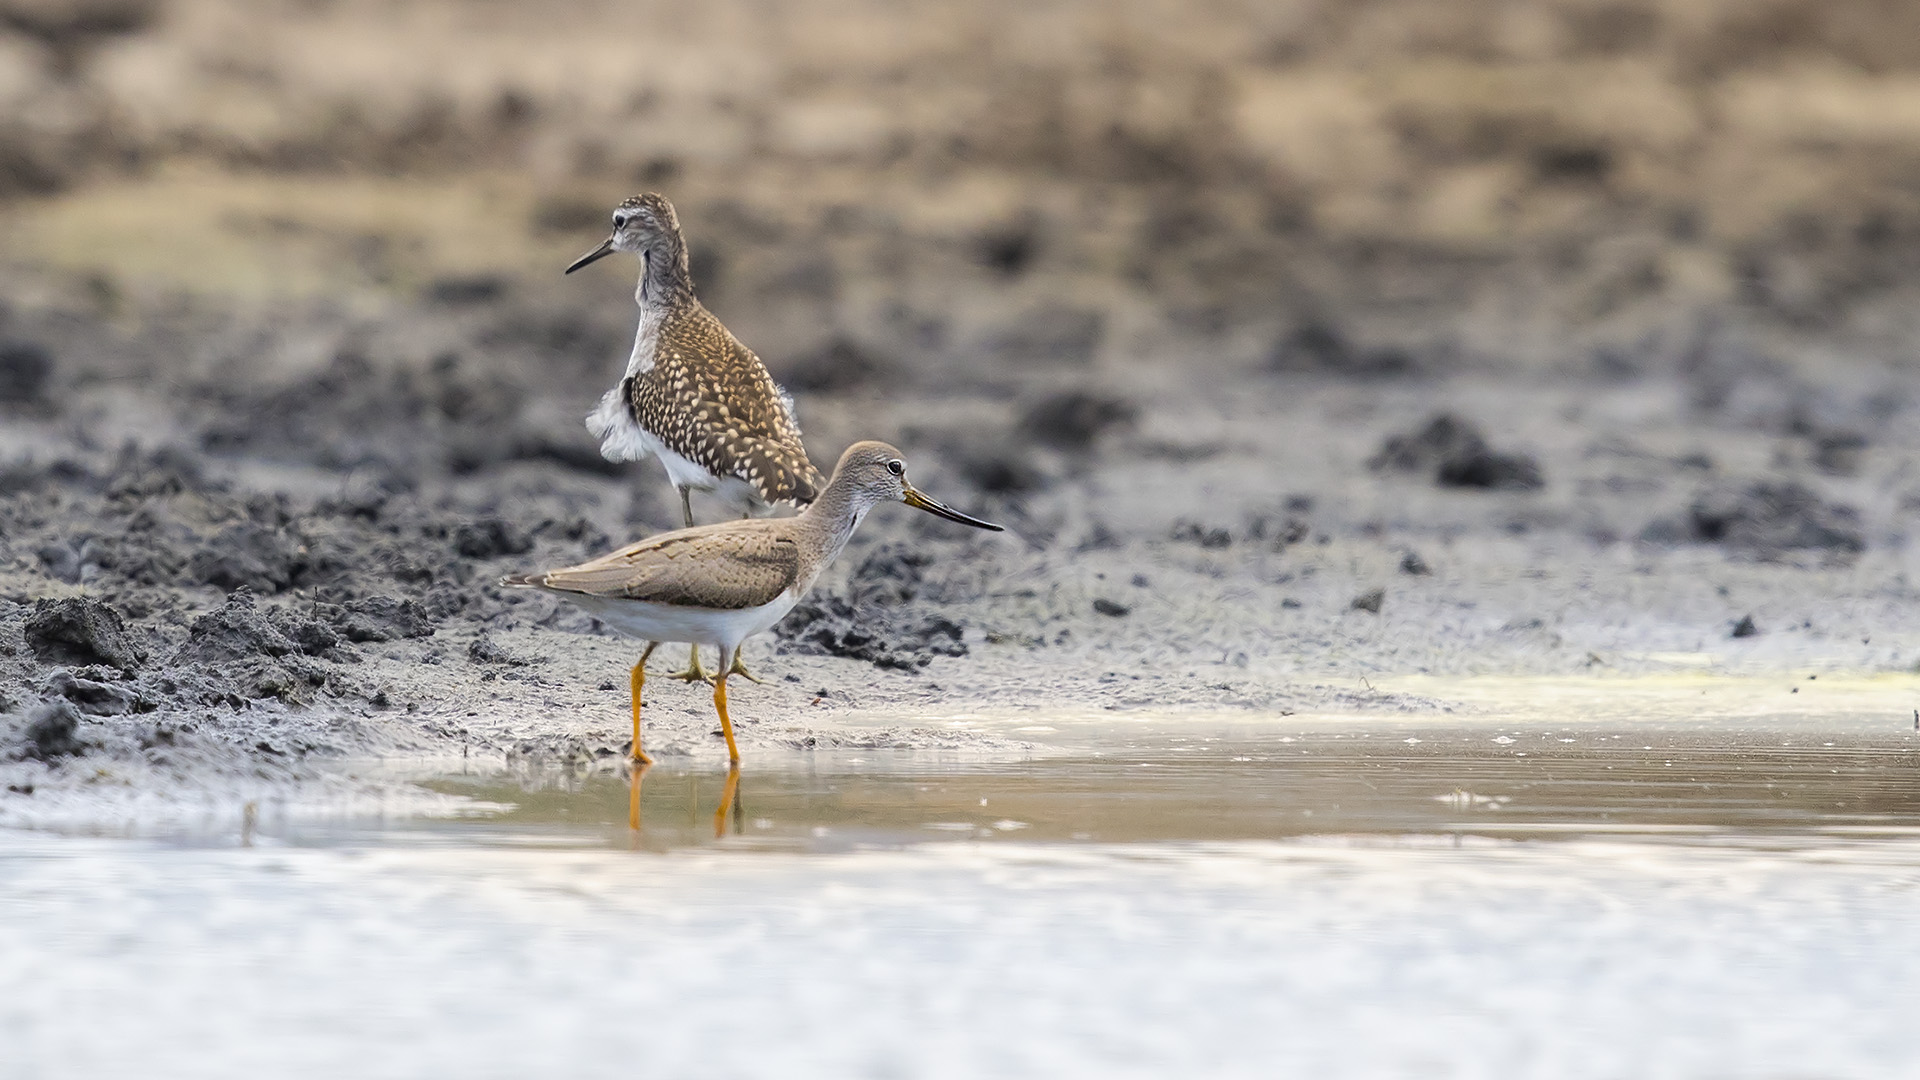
1371,186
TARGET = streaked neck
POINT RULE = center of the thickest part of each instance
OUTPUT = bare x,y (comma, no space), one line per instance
665,280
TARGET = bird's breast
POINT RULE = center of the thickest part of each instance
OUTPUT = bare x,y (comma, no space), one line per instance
646,343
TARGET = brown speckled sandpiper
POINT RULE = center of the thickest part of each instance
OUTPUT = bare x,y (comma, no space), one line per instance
721,584
692,395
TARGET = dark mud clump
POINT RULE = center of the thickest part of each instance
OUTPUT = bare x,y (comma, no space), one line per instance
153,520
839,366
460,291
1319,347
380,618
25,368
242,652
51,731
892,576
1838,453
485,650
1052,335
1212,537
997,469
78,631
876,621
1456,454
246,555
237,630
834,626
1764,519
491,538
1075,419
1009,248
311,636
99,698
241,655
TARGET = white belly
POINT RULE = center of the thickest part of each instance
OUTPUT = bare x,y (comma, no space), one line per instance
698,626
612,422
620,438
623,440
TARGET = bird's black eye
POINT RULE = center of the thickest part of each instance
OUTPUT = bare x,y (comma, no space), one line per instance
619,221
897,467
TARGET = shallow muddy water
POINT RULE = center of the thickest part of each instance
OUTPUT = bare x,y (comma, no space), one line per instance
1158,787
1506,896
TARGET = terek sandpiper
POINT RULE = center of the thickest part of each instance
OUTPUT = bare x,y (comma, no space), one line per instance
692,395
721,584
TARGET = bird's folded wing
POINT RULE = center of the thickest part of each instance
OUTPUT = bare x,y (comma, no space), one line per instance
725,413
779,472
726,570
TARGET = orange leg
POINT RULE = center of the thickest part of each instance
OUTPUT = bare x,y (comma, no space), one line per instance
729,800
720,706
639,679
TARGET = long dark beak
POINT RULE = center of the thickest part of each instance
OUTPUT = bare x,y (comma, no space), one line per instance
601,252
939,509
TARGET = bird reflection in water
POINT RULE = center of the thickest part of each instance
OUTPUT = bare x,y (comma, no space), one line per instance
729,800
636,774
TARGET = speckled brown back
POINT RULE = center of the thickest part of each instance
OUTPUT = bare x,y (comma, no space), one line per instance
710,399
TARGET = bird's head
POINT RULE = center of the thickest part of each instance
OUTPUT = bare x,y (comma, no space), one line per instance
641,224
876,473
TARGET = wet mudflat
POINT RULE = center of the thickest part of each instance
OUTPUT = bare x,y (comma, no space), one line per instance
1149,897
